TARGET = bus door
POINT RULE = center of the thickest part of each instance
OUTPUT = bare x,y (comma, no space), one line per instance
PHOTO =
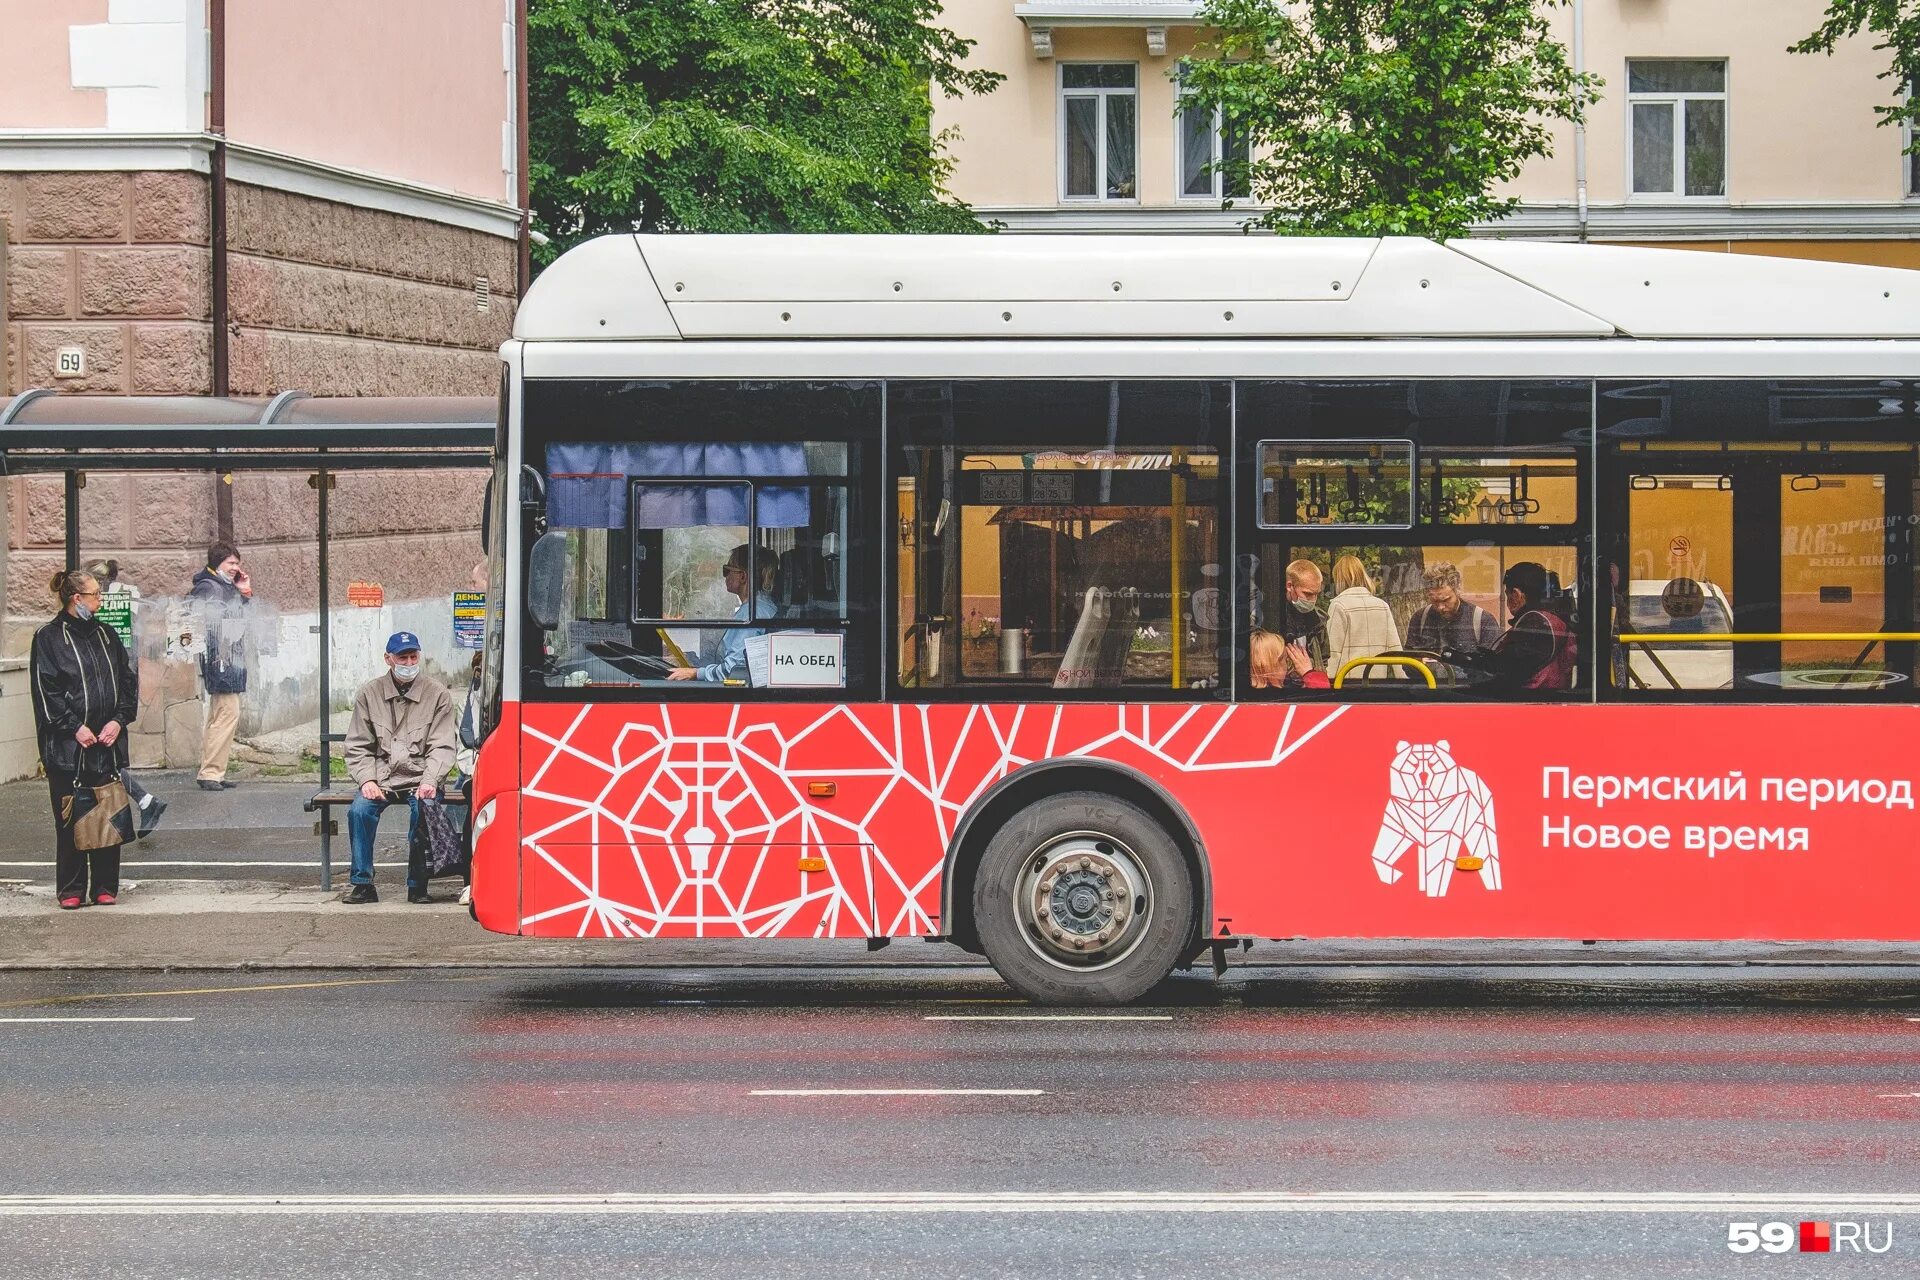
1798,554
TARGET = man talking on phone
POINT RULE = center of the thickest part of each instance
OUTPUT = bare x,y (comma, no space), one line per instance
223,593
400,746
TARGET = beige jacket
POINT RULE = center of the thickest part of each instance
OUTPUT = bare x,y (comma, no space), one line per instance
398,738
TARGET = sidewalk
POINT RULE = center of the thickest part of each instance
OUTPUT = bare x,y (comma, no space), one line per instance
186,924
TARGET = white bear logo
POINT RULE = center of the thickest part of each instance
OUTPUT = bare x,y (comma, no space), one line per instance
1443,808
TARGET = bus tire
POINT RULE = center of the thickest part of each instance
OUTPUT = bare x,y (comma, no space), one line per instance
1083,898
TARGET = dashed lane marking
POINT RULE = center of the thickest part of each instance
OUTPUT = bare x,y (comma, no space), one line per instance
46,1001
897,1093
65,1021
1789,1203
1047,1017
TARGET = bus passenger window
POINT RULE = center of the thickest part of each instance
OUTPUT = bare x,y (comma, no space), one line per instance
1061,568
703,566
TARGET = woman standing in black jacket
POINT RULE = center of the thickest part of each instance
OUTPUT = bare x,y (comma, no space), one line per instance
85,694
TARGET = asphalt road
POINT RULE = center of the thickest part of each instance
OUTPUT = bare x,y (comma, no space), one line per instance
696,1123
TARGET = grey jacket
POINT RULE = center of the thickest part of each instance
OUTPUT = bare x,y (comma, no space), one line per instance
400,738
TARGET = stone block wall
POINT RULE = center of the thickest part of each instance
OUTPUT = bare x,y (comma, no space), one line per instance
117,263
343,301
325,297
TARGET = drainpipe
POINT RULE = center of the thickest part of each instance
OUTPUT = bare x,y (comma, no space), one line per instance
1579,129
522,74
217,240
217,185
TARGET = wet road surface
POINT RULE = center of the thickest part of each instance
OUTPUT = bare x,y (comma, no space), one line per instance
924,1124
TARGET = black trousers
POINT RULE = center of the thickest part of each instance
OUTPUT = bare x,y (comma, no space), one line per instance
73,867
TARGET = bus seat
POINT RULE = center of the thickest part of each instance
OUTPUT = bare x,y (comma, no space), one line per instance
1096,656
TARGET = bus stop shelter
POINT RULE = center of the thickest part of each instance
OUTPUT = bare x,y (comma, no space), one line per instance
354,517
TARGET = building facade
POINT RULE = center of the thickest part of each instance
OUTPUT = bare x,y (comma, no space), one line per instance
1709,134
370,161
216,197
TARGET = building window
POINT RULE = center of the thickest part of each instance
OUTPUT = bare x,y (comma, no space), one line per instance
1099,111
1678,114
1208,140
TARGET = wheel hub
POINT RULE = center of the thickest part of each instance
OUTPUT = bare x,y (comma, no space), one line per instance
1084,900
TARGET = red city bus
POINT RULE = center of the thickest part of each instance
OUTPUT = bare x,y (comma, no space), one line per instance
1096,602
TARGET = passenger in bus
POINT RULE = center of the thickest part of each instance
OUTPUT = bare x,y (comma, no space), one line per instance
727,659
1275,664
1448,622
1301,622
1537,652
1359,623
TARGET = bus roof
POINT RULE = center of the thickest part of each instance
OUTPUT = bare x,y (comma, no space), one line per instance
691,287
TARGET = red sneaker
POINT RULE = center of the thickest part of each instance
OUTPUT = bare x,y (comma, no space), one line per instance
70,904
104,900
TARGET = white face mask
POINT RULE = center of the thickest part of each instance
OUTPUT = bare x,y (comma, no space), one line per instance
82,612
406,670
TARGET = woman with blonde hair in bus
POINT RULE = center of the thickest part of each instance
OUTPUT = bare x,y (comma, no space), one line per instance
1359,623
1276,663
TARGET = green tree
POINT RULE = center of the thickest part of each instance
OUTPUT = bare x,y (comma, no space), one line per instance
749,115
1384,117
1897,23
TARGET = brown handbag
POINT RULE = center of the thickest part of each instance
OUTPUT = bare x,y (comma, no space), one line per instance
100,817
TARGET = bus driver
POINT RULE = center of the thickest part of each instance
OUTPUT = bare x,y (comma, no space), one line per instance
727,659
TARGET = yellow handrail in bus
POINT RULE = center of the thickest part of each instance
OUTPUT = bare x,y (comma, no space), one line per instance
1178,547
1376,660
1766,637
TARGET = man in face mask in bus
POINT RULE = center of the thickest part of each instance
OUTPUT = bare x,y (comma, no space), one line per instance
1301,622
400,746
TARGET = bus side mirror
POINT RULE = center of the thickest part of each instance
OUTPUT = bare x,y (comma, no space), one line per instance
547,579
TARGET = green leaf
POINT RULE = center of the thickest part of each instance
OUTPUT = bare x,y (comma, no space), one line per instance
746,116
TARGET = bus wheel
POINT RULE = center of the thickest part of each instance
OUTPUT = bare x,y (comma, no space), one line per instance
1082,898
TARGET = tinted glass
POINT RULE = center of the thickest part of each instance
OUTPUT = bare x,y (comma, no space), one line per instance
1097,75
1677,75
1706,147
1326,482
1653,147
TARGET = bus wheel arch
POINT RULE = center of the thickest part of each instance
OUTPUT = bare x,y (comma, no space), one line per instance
1006,798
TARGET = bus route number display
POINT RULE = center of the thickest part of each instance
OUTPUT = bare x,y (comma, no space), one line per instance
803,660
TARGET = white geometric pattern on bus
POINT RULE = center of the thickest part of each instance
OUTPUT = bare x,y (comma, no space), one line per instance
1444,809
681,807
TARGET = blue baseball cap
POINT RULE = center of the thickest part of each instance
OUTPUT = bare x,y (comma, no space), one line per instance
401,641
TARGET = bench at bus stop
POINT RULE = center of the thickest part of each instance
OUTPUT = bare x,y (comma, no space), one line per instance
328,799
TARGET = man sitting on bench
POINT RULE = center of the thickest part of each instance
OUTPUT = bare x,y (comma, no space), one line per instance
399,747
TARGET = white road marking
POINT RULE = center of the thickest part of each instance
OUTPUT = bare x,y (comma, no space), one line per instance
1898,1095
1047,1017
18,1020
897,1093
1789,1203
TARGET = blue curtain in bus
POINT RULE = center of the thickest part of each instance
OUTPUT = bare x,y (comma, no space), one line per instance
587,485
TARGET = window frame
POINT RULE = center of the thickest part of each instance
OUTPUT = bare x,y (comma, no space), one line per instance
846,410
1320,409
1217,178
961,439
1062,94
1677,100
752,484
1358,442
